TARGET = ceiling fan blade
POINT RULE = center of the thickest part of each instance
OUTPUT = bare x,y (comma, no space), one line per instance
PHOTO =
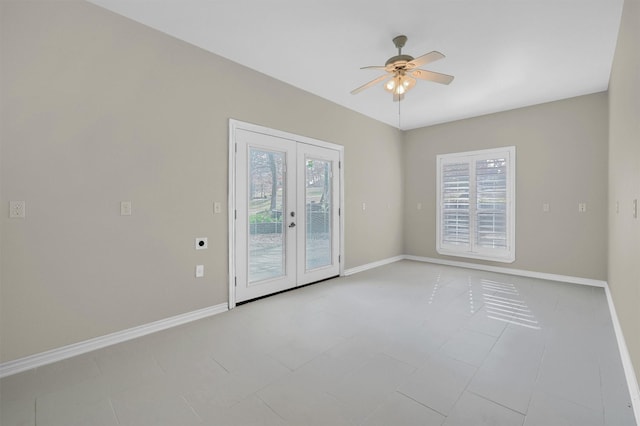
432,76
425,59
369,84
375,67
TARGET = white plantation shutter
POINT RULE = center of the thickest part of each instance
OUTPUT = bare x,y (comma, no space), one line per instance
476,199
455,204
491,203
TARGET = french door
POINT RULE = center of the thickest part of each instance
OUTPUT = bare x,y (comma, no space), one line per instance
286,218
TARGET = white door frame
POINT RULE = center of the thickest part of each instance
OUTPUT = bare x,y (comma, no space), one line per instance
233,126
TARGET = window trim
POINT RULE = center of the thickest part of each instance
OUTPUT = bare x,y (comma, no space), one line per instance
471,251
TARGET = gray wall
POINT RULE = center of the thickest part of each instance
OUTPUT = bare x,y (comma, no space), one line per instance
97,109
624,179
561,152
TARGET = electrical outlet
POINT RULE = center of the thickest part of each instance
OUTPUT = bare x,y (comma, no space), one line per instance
217,207
364,206
17,209
545,207
582,207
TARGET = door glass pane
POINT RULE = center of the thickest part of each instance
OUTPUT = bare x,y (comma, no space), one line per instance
266,206
318,179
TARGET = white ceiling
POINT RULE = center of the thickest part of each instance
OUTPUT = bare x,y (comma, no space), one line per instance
504,54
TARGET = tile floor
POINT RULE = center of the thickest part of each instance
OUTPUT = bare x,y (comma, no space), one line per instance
404,344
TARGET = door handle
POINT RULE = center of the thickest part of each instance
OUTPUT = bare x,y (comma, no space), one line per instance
292,225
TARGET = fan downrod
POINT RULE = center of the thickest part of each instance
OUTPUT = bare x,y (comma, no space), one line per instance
399,42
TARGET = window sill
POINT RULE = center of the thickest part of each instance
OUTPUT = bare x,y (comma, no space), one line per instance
509,258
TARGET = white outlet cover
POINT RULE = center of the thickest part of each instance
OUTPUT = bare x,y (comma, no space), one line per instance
125,208
217,207
202,243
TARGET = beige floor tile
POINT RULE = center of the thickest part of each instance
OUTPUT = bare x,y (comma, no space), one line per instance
474,410
398,410
439,383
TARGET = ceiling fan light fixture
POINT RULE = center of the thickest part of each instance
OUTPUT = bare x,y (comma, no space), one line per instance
391,84
408,83
400,84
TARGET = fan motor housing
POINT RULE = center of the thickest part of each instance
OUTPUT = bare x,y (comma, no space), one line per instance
398,58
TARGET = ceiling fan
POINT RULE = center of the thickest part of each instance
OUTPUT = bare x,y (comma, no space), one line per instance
402,71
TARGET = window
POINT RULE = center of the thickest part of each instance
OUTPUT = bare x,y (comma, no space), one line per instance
476,204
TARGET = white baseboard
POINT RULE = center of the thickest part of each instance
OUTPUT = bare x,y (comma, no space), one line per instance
372,265
58,354
480,267
632,381
510,271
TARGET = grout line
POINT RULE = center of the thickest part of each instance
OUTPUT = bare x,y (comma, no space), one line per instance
153,357
164,372
423,404
544,353
539,369
221,366
268,406
192,409
497,403
113,410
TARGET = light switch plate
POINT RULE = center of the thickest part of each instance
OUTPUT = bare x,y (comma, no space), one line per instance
17,209
545,207
217,207
199,271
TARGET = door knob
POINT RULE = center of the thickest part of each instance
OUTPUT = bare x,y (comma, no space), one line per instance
292,225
